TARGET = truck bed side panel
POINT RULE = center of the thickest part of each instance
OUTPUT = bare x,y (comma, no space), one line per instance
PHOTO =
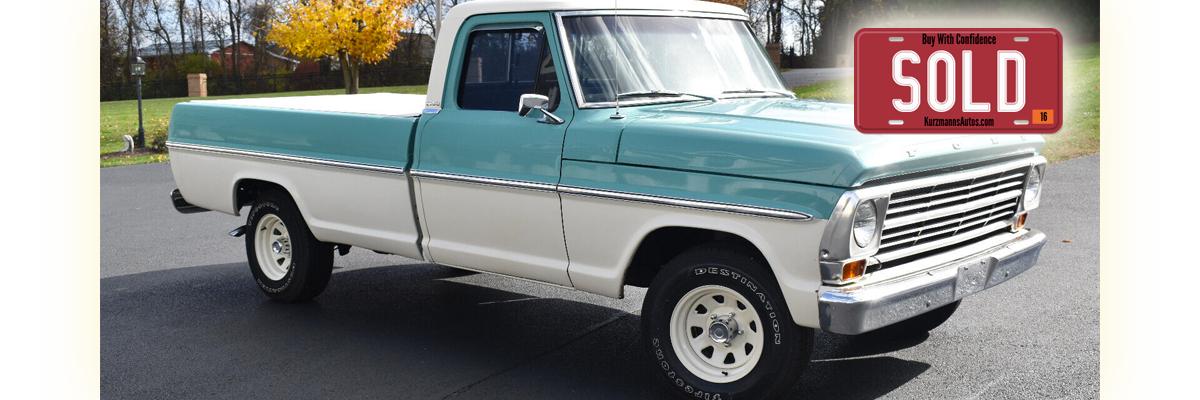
346,172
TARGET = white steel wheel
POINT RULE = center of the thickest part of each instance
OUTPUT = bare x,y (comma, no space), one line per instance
288,263
716,334
273,246
716,295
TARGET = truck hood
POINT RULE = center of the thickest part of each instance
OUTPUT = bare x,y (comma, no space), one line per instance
797,140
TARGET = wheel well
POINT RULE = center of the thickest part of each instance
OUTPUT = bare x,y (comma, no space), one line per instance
662,245
248,190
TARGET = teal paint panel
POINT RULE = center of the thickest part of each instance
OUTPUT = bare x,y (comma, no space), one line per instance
507,146
358,138
796,140
594,136
817,201
495,144
733,145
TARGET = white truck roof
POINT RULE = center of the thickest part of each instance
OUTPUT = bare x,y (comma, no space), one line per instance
460,13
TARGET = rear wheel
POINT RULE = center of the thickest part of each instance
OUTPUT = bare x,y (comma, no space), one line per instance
715,324
287,262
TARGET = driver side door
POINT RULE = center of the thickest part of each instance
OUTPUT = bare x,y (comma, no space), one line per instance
487,177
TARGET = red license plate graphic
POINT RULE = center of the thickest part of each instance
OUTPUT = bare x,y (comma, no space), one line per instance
958,80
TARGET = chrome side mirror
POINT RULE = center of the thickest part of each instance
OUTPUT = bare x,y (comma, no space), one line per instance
530,102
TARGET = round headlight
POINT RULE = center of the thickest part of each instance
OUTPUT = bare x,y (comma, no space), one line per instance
864,223
1033,187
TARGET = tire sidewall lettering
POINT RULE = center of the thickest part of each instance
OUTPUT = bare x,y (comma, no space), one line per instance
312,260
678,381
734,280
256,214
749,284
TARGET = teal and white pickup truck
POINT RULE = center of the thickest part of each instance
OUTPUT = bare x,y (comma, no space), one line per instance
652,145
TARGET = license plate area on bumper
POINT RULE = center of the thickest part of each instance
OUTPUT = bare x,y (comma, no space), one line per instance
972,277
861,309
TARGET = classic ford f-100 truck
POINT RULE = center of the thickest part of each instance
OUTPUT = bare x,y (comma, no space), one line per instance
652,145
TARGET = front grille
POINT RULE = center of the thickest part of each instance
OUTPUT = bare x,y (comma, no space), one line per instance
928,219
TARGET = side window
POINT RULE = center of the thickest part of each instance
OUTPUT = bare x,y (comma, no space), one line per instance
501,65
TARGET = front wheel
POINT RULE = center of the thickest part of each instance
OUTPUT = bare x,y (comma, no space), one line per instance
288,263
715,325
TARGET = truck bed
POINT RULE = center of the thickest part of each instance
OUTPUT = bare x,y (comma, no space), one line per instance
342,158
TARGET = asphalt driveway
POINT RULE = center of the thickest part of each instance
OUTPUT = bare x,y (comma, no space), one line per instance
182,318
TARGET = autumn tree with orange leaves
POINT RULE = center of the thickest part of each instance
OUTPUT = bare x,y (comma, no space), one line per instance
357,32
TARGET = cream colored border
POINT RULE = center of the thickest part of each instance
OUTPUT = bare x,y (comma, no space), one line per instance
67,196
1181,167
1132,178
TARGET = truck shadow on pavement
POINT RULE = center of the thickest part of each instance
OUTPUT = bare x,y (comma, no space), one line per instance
413,331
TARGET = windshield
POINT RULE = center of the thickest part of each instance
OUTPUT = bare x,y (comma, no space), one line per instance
656,58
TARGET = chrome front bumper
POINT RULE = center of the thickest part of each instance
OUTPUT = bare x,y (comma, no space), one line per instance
861,308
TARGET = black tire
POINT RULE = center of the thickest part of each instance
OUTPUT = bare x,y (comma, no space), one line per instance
786,348
920,324
311,261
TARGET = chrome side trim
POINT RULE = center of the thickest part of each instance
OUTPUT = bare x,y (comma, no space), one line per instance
684,203
617,195
431,110
286,158
479,180
858,309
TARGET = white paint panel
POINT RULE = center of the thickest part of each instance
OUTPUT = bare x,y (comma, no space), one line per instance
507,231
364,209
384,104
603,234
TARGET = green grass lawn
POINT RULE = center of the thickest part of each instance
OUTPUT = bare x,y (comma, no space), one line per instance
1080,134
837,90
119,118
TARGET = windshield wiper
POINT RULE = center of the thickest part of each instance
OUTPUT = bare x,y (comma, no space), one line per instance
771,91
663,93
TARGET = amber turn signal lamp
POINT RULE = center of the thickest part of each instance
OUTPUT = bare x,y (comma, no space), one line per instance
1021,221
854,269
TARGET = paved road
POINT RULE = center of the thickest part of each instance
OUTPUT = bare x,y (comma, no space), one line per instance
808,76
181,318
